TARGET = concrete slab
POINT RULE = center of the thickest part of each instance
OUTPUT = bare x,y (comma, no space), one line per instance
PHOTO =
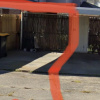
38,63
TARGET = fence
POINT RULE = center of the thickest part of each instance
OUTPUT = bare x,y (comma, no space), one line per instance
94,34
10,23
45,31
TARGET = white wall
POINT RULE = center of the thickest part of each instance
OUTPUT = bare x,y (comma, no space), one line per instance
83,34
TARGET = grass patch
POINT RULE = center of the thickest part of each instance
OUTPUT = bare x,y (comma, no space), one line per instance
17,70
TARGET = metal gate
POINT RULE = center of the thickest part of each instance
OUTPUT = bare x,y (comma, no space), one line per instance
45,31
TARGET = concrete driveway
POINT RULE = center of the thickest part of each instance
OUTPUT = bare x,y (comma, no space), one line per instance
26,86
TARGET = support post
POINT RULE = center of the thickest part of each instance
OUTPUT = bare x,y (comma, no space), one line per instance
21,31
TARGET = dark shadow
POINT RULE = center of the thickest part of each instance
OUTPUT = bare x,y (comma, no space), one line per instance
78,65
44,69
17,59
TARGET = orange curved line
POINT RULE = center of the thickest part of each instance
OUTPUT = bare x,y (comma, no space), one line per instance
72,45
73,34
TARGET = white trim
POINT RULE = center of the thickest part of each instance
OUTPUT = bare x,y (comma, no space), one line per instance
88,11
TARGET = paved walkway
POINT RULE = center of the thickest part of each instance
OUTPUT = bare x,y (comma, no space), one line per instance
40,62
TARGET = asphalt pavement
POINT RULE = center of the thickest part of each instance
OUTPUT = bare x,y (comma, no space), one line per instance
40,62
